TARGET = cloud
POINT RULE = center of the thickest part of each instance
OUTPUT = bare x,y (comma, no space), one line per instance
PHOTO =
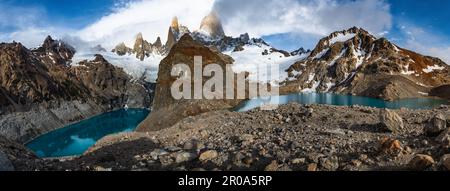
28,25
317,17
151,17
425,42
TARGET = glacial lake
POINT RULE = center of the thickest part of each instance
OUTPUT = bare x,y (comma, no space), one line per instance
340,100
77,138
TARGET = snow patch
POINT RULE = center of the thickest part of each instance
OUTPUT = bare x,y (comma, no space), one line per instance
312,89
320,55
341,38
329,86
430,69
333,62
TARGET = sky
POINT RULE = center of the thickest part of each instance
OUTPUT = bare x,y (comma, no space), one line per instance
418,25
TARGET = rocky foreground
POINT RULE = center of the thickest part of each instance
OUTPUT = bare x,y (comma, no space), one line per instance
292,137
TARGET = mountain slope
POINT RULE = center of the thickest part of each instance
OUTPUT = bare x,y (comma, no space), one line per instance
168,110
356,62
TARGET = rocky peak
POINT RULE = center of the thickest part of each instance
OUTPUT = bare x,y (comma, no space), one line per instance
357,35
141,47
121,49
212,26
300,51
158,43
354,61
55,52
175,25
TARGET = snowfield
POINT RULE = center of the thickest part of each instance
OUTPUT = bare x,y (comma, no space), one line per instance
269,68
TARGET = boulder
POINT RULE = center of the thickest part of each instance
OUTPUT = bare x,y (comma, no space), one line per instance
185,157
421,162
273,166
445,162
444,138
436,125
208,155
390,146
311,167
391,121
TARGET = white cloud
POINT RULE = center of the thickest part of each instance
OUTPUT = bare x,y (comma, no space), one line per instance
151,17
426,42
28,25
318,17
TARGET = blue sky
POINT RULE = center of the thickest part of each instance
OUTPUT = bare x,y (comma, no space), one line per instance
415,24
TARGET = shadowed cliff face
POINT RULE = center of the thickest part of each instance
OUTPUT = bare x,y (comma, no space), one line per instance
167,110
355,62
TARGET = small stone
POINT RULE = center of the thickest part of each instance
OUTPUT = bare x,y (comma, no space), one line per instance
312,167
174,149
436,125
421,162
248,161
363,157
279,117
330,164
445,161
444,138
246,138
189,145
273,166
287,120
309,112
356,163
390,146
100,169
158,152
299,161
391,121
185,157
208,155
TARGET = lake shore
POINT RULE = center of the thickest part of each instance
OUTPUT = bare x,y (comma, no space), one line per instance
292,137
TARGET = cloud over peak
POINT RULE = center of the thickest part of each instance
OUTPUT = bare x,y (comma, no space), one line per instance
317,17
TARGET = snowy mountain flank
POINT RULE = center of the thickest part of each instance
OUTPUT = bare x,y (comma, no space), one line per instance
355,62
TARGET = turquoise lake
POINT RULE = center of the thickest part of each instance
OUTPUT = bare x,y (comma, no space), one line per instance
340,100
77,138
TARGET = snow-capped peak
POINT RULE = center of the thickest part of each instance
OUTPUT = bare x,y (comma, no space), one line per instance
212,26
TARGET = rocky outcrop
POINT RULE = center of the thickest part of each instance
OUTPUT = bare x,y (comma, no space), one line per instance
167,110
54,52
441,91
122,49
356,62
14,156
